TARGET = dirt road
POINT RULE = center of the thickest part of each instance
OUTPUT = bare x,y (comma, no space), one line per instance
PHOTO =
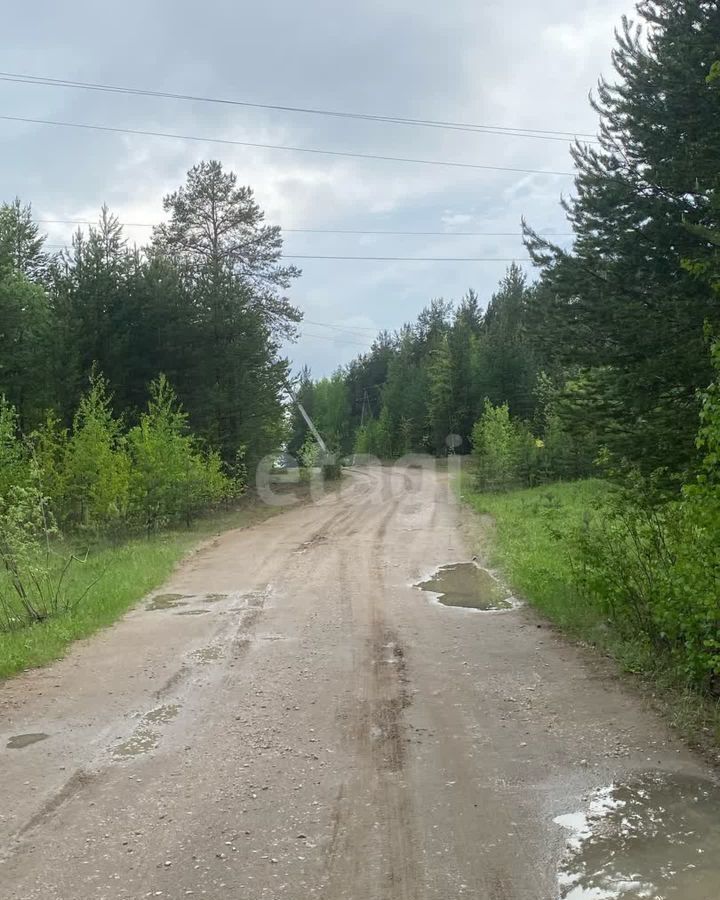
302,722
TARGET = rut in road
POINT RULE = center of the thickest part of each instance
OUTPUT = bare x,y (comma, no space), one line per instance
334,733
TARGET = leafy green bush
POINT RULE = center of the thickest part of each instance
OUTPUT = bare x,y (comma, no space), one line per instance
48,445
14,460
495,448
96,464
170,478
652,560
33,575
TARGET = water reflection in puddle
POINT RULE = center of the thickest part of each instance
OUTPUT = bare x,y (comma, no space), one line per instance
166,601
144,738
20,741
208,654
162,714
142,741
656,837
468,586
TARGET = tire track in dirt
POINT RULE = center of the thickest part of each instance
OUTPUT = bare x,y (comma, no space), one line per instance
389,687
377,736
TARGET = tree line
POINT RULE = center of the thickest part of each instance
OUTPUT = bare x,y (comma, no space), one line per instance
611,356
203,303
610,346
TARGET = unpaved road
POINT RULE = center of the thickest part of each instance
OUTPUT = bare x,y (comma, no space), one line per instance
322,730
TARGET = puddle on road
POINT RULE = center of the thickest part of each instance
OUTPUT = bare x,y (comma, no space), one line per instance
208,654
468,586
656,837
20,741
144,739
214,598
166,601
162,714
193,612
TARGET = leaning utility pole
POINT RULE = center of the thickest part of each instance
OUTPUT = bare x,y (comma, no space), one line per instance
308,420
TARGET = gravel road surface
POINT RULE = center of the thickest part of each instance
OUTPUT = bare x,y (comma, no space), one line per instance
290,717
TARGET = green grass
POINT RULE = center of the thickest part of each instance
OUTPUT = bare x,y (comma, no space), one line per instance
529,537
124,572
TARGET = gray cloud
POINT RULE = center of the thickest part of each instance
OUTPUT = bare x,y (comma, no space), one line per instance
526,64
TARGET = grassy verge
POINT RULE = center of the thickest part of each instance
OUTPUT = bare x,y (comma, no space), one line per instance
529,536
124,572
529,539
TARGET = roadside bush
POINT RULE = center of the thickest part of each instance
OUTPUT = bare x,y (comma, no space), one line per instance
507,454
48,445
33,575
170,478
495,448
375,437
626,558
312,457
14,459
652,559
96,465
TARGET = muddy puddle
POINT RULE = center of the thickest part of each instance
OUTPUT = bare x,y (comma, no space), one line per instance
192,612
468,586
141,742
214,598
162,714
208,654
144,738
166,601
20,741
655,837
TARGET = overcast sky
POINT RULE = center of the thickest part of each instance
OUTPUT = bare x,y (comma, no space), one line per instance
528,64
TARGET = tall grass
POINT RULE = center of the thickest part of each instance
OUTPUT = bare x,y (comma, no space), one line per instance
531,536
120,574
530,540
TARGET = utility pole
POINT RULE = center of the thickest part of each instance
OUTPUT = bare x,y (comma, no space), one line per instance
308,420
365,405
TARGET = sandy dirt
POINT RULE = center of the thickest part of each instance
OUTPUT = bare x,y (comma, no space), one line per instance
303,722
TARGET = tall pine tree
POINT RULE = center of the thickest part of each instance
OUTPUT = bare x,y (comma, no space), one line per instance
621,298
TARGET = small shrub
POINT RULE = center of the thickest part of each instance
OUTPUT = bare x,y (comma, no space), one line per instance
14,459
170,478
495,446
96,465
33,576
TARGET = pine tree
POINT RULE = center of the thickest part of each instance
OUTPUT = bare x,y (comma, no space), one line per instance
622,299
231,265
505,368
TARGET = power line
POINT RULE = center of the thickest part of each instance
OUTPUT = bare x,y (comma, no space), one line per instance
335,230
339,338
379,258
349,328
419,233
509,131
314,150
409,258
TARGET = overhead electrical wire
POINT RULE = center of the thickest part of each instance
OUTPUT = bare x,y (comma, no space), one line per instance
409,258
482,128
335,339
335,230
380,258
314,150
350,328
